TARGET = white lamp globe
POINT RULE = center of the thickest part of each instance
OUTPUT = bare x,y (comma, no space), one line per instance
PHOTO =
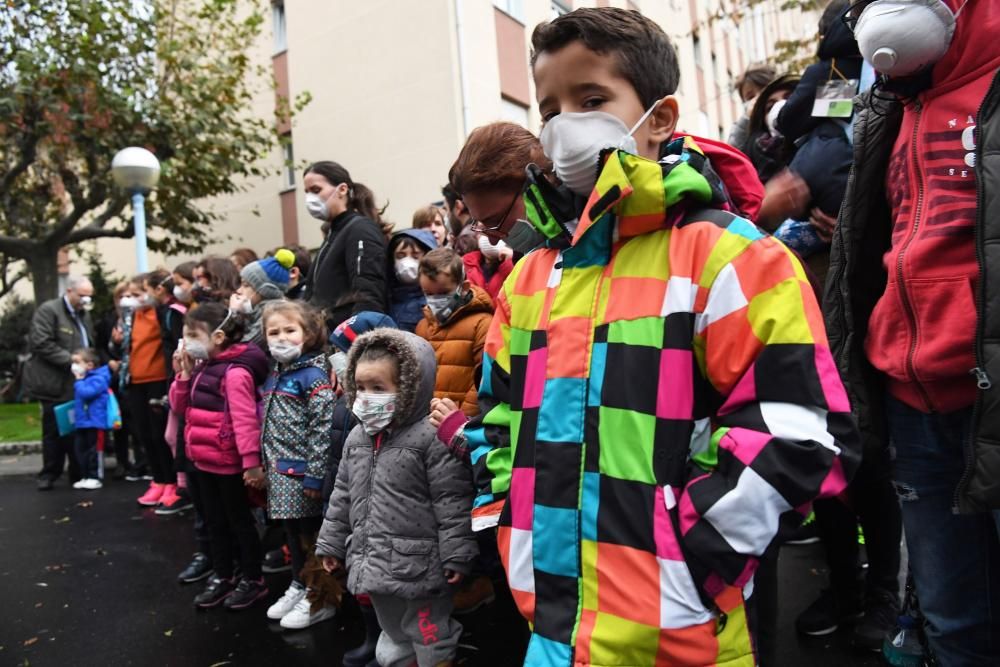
135,168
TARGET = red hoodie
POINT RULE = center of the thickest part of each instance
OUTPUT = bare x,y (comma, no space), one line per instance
922,331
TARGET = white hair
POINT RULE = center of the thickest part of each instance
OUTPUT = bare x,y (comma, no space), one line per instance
73,282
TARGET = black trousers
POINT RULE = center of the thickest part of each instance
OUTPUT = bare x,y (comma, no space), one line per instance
301,535
227,510
202,535
89,444
148,425
56,448
874,504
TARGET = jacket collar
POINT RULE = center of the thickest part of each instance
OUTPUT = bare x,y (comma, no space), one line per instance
643,195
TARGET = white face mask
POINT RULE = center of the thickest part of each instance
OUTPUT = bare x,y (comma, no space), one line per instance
240,304
283,352
182,294
129,303
196,349
86,301
338,362
79,370
316,207
376,411
901,38
574,141
407,270
489,250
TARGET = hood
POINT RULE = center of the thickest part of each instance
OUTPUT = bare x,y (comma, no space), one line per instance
417,371
308,359
479,303
249,356
101,371
973,49
838,42
424,239
736,171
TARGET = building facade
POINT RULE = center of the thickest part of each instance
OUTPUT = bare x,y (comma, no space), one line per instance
396,86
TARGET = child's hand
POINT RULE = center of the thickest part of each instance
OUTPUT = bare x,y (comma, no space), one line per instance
452,577
254,478
331,564
117,337
315,494
440,409
185,364
114,365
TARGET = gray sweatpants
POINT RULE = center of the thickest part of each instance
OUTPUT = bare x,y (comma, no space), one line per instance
415,628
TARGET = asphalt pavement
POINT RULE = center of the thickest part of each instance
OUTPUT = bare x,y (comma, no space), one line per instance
89,578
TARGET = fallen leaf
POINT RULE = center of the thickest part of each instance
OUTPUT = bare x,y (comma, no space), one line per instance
100,552
85,503
220,664
38,605
65,519
42,584
29,642
169,633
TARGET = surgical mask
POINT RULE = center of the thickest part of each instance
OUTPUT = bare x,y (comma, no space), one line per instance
196,349
317,207
443,306
129,303
79,370
182,294
902,38
489,250
574,141
243,305
771,120
86,301
407,270
523,237
338,362
376,411
283,352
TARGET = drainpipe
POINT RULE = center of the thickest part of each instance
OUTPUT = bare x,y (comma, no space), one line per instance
463,76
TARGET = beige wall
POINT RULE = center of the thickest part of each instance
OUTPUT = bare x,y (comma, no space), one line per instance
387,97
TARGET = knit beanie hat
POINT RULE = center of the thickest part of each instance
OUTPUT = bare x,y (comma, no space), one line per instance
269,276
343,336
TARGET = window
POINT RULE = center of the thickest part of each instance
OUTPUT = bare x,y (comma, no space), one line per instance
696,43
278,20
289,158
513,112
560,7
513,8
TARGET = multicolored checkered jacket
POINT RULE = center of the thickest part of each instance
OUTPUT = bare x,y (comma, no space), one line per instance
658,404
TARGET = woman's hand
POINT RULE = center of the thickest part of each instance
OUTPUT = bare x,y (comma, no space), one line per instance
452,577
440,409
823,224
331,564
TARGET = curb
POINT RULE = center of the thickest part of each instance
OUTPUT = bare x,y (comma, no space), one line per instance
20,448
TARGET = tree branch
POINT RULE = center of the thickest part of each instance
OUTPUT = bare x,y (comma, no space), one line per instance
28,146
96,230
15,247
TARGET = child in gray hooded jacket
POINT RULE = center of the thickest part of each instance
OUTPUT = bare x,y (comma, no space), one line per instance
403,500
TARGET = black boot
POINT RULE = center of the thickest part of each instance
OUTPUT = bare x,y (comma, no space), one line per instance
365,654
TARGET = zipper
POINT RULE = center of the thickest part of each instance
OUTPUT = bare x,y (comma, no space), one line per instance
911,318
983,381
361,253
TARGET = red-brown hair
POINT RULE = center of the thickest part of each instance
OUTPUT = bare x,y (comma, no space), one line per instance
494,158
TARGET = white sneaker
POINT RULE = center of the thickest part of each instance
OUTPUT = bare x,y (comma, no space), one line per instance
79,483
286,602
89,484
299,617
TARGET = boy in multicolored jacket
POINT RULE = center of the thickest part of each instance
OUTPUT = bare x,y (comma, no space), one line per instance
658,398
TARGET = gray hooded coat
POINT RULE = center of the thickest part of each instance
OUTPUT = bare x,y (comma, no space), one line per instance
406,504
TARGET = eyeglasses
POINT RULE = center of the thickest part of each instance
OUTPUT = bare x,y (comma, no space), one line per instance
853,13
481,226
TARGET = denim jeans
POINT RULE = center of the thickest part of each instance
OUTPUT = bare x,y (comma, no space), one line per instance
955,558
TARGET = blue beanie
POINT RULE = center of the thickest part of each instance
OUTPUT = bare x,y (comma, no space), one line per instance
269,276
343,336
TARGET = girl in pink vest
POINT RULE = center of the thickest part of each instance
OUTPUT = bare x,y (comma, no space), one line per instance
216,391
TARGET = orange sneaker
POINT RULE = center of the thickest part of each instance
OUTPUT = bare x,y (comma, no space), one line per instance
153,494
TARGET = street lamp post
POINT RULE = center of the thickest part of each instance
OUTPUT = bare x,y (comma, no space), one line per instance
137,170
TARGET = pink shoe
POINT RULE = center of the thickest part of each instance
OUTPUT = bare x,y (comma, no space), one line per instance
152,496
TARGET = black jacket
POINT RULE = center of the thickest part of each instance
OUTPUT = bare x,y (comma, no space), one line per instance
348,275
857,280
53,338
